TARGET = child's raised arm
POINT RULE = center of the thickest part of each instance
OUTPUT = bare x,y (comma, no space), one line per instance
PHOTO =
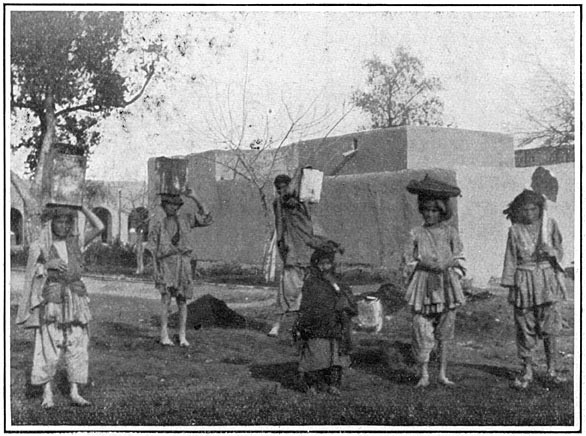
98,226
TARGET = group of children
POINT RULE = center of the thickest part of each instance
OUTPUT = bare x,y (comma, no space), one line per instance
55,302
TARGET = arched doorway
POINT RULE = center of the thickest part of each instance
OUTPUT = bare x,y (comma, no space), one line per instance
16,227
106,217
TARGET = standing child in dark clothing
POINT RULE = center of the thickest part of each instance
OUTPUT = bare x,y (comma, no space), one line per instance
324,325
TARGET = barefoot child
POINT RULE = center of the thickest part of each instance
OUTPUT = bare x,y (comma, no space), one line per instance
172,255
434,291
532,255
324,325
55,301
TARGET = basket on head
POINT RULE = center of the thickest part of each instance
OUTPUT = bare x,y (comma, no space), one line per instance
432,188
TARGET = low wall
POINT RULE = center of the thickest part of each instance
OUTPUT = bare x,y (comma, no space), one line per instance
369,214
486,192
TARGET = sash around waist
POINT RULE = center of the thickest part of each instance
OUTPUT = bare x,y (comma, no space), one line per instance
532,266
55,291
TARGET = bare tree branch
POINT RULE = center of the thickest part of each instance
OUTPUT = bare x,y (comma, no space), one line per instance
95,107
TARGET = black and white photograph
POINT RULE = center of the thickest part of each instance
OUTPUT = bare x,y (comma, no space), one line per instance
292,218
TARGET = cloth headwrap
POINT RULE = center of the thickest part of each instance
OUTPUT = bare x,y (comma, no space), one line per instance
282,178
321,253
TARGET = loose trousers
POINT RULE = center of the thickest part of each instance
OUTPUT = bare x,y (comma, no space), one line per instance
54,341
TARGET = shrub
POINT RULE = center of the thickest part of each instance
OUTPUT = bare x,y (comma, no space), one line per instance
116,256
18,256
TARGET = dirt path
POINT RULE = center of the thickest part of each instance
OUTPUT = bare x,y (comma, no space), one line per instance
256,296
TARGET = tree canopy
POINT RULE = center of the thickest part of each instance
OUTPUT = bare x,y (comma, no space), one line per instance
399,93
63,72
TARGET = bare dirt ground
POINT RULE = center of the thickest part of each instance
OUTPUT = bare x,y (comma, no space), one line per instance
241,377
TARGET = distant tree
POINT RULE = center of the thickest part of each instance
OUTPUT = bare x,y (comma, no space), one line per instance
550,121
64,76
399,93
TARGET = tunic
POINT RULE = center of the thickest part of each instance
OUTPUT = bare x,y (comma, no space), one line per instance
56,305
528,272
432,292
324,324
297,234
168,238
52,296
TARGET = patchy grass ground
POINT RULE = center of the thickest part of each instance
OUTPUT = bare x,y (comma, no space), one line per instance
241,377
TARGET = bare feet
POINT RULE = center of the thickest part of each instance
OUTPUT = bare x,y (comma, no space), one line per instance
166,342
47,396
521,383
555,378
524,381
183,343
47,401
78,400
332,390
423,382
274,331
446,381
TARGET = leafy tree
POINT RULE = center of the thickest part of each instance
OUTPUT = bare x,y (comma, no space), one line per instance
64,75
399,94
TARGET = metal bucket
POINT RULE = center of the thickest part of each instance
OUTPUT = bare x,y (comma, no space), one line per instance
170,175
67,179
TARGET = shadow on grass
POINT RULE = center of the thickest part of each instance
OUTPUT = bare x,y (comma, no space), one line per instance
497,371
122,329
60,385
509,374
393,362
284,373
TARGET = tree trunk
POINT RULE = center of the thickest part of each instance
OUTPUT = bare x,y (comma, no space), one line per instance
268,259
44,172
40,189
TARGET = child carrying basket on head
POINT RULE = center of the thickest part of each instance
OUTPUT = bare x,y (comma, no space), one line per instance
434,291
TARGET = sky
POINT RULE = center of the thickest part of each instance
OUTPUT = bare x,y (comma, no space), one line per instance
311,60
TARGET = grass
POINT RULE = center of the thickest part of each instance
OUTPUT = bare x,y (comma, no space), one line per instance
241,377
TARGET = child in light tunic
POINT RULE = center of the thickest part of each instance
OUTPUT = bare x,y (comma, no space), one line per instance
55,302
532,262
434,291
